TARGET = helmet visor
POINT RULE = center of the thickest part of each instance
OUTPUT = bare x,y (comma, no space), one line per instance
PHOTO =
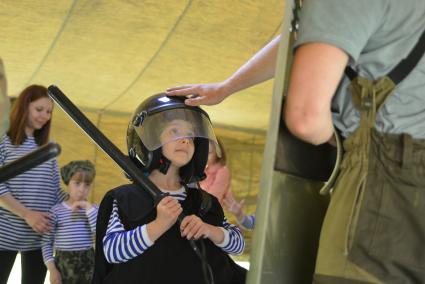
164,127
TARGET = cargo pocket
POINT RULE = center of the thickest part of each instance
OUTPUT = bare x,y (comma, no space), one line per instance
401,223
389,236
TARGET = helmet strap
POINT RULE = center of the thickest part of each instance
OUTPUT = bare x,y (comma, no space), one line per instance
164,164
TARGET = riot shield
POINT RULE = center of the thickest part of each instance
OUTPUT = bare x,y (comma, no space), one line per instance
290,207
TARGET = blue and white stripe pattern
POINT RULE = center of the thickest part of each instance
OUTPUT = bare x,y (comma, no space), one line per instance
248,222
37,189
120,245
71,231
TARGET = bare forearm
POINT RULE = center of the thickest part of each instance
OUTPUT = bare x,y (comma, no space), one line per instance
314,129
155,230
10,203
259,68
315,75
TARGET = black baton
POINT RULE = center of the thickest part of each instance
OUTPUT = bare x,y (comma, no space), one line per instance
123,161
24,163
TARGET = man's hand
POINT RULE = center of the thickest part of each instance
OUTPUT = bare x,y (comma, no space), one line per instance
200,94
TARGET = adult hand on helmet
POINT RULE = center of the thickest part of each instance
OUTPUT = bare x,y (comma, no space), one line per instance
201,94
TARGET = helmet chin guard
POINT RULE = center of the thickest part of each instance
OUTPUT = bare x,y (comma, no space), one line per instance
159,120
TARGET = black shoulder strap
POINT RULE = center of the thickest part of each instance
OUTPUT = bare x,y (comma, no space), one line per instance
404,67
206,202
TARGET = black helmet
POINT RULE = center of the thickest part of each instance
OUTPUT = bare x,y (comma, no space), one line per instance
147,124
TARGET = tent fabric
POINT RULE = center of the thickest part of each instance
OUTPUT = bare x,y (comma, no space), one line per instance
107,56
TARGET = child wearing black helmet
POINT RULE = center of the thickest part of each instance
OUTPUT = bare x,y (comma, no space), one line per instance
138,243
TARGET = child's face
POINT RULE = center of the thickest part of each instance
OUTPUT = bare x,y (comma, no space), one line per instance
79,186
177,141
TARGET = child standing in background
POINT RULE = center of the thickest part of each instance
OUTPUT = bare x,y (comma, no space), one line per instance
73,224
218,174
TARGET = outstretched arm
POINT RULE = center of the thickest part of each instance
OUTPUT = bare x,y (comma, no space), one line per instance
257,69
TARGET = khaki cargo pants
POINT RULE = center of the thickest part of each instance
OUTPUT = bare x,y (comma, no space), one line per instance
374,229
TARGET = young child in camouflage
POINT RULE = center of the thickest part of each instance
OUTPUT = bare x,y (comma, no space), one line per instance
68,247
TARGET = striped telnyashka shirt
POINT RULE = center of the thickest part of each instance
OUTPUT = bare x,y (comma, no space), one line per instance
248,223
120,245
37,189
71,231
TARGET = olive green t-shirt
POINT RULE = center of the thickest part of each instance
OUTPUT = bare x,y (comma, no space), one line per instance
377,35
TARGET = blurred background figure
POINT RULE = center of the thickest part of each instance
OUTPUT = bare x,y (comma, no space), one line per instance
73,224
247,222
218,178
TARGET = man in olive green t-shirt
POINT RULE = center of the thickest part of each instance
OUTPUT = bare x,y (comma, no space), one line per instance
374,228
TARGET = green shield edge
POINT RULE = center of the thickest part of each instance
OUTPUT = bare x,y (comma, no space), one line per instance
290,207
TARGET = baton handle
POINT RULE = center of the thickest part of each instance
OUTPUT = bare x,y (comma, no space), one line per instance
123,161
35,158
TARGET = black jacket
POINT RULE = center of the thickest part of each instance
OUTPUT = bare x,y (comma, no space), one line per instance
171,259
